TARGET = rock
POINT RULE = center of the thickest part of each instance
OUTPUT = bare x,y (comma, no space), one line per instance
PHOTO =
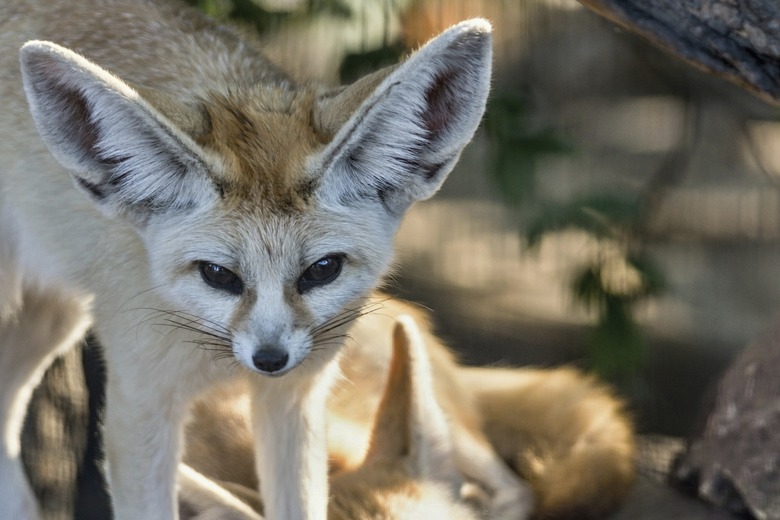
735,462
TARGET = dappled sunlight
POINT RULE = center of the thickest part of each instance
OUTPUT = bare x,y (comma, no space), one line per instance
642,124
719,213
764,143
472,246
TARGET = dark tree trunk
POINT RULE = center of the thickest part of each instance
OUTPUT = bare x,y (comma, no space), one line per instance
735,39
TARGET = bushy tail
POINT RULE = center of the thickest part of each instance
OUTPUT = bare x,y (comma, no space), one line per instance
563,432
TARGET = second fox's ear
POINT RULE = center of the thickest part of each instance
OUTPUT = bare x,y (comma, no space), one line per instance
121,151
410,424
407,125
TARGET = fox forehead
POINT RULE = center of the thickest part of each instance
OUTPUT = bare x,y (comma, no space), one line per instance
264,138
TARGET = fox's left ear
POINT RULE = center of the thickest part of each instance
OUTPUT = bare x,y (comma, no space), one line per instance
121,151
411,121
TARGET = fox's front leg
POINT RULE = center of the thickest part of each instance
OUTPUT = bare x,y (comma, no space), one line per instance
149,387
142,438
511,498
288,416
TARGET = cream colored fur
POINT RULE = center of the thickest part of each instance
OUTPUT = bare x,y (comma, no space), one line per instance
141,143
407,471
563,433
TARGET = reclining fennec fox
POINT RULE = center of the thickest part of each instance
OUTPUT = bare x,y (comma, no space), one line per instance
436,440
161,181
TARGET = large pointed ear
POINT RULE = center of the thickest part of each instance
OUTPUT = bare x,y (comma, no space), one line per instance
409,123
128,157
410,423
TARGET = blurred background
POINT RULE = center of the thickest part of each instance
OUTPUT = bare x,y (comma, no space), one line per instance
617,210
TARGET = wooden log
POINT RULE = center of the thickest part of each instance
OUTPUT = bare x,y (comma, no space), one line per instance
738,40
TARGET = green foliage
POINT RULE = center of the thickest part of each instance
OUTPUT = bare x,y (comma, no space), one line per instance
620,277
356,65
616,342
612,287
614,283
516,147
602,215
252,13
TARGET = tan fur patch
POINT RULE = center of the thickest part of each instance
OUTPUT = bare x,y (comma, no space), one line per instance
264,139
367,492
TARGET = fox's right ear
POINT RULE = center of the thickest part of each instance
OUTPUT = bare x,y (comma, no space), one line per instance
398,132
120,150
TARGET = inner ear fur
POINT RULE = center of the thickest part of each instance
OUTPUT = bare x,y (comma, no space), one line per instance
411,122
124,153
334,107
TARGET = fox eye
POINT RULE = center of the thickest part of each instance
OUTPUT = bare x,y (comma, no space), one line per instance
321,272
220,277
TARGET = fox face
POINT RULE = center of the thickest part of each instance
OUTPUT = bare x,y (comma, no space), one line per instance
267,211
272,271
277,290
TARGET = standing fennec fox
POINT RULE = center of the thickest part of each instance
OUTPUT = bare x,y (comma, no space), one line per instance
163,182
405,446
407,472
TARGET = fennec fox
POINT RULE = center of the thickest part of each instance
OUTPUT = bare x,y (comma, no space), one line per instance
210,218
564,433
408,471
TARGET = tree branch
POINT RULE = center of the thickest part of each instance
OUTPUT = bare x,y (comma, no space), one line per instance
738,40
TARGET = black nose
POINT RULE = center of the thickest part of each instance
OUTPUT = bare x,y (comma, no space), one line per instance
270,359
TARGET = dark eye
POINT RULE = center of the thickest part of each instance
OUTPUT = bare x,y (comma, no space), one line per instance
220,277
321,272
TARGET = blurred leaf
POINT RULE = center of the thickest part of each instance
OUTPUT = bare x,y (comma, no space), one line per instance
653,280
616,343
513,174
332,7
504,114
245,11
262,19
356,65
516,147
587,288
217,9
543,142
253,13
593,288
599,215
618,278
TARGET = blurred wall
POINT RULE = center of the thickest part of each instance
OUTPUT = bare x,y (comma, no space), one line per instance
635,122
